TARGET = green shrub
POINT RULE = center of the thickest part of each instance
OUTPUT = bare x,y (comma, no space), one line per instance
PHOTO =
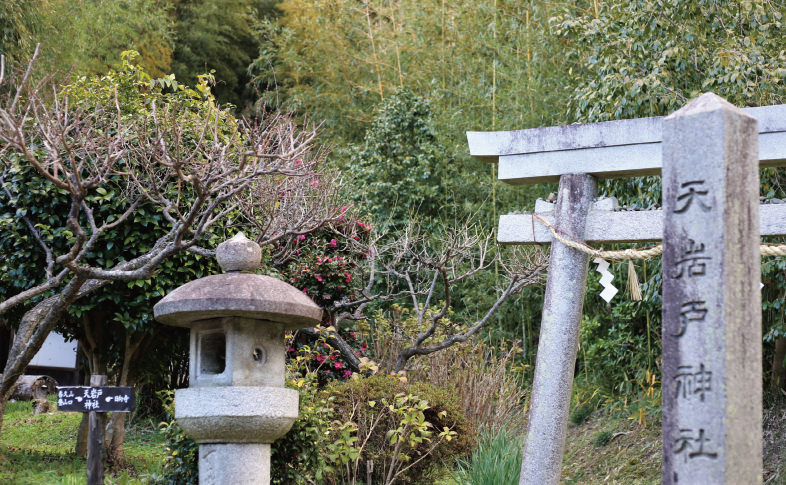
297,457
495,461
391,431
602,439
581,413
400,166
181,463
406,428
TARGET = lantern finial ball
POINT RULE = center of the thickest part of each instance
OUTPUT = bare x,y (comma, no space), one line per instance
239,254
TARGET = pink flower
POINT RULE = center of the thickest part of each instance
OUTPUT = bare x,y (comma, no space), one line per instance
338,365
301,237
320,358
298,162
333,243
318,277
347,374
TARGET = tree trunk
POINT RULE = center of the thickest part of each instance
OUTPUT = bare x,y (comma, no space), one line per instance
778,369
29,388
42,318
81,436
116,436
116,430
33,330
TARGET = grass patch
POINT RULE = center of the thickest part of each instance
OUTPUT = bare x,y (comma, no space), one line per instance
40,449
495,460
775,442
609,449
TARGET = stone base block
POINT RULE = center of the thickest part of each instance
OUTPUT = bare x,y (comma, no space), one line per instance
232,463
234,414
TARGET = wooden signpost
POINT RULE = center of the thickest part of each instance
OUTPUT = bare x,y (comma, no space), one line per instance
96,400
576,156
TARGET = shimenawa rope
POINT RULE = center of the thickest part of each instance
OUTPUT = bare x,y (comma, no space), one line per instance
633,254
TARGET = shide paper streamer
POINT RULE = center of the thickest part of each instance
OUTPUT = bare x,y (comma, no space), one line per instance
605,280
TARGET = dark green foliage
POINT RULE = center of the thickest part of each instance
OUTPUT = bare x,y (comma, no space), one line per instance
620,342
182,454
647,58
602,439
400,169
581,413
496,459
298,455
215,36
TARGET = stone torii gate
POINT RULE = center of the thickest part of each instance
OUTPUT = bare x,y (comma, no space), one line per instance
576,156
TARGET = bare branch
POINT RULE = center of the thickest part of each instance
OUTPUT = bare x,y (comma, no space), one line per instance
23,84
514,286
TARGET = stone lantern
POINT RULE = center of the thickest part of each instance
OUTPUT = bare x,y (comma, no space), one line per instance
236,405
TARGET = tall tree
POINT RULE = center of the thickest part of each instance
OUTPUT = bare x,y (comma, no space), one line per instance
400,167
118,150
216,36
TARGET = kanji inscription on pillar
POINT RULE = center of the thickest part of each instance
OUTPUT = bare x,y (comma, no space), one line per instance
711,302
